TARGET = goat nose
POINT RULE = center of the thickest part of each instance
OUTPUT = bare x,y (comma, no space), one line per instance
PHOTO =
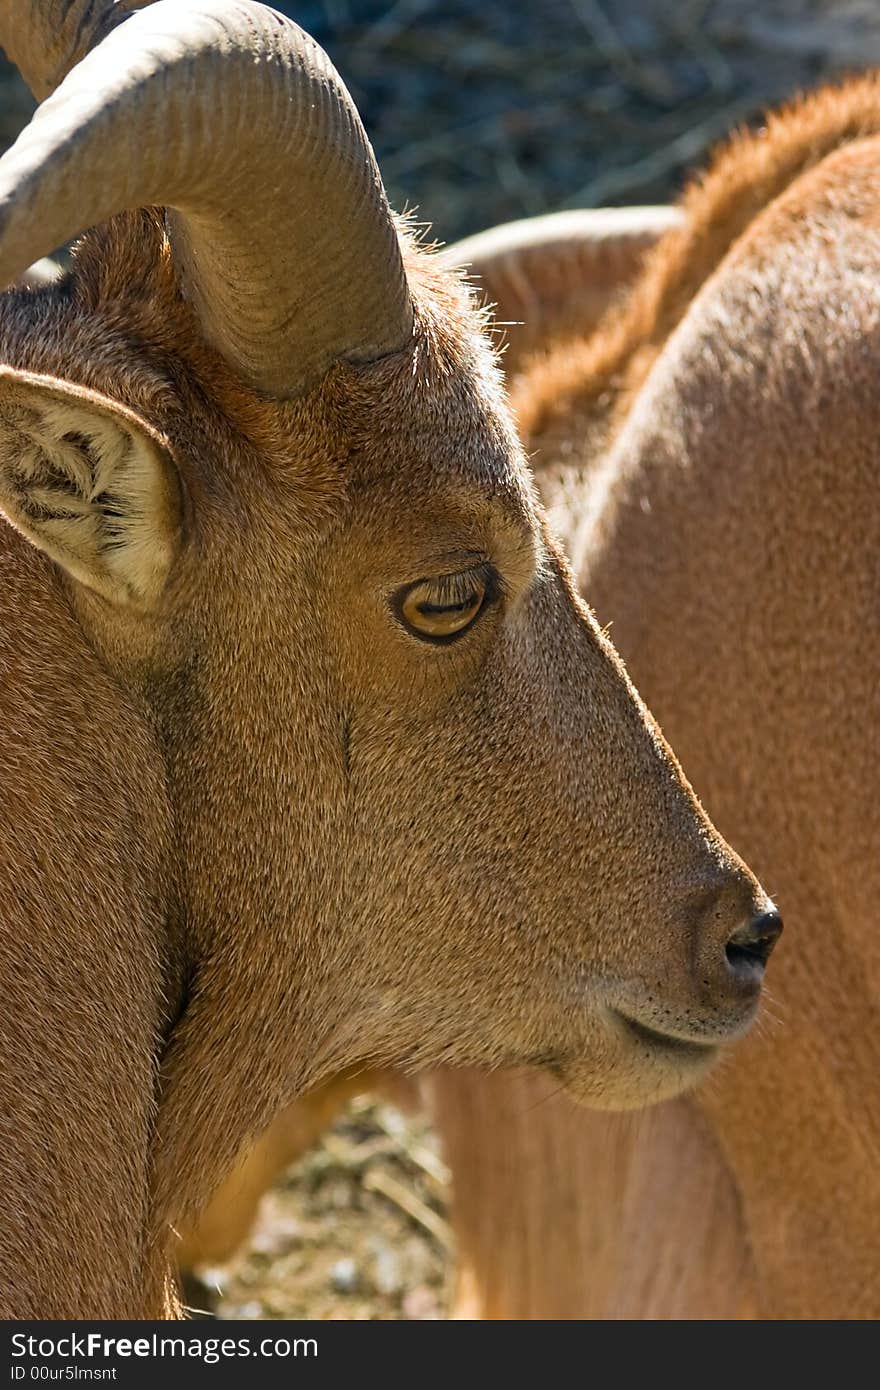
748,949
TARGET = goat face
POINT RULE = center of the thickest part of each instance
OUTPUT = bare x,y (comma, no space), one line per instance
422,814
408,767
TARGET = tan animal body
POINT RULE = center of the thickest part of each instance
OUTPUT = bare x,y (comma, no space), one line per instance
315,757
711,456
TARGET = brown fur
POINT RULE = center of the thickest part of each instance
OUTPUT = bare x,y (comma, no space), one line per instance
718,208
377,850
88,946
731,532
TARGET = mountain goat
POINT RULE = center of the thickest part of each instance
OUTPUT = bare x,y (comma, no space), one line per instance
314,757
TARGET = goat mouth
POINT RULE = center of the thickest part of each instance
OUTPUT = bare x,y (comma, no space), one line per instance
684,1048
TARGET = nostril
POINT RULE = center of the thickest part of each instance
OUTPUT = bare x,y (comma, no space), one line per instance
749,948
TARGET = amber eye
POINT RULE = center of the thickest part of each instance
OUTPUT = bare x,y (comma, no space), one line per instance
439,610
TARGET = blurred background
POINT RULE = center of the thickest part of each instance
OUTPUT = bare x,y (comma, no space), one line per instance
481,111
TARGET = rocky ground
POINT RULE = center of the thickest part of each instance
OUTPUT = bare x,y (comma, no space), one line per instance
356,1230
482,111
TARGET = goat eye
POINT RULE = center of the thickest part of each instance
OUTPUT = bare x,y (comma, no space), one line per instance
440,610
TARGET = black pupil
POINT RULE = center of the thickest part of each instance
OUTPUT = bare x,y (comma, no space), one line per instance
461,607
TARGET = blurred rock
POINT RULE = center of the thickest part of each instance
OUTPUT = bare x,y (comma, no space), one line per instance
387,1270
345,1277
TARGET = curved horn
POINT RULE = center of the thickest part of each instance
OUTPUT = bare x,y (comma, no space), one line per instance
45,38
555,275
229,114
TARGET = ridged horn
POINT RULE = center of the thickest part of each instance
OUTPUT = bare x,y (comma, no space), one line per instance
230,116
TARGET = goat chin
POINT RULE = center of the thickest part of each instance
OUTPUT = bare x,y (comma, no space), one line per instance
644,1072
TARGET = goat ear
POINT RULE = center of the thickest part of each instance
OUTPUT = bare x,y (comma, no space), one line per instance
89,484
